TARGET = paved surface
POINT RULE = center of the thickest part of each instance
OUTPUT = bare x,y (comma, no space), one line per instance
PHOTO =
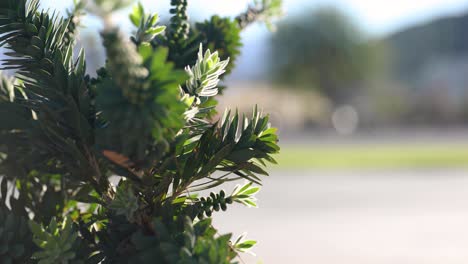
384,136
357,217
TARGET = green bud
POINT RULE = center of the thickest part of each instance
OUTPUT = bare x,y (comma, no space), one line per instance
223,207
208,212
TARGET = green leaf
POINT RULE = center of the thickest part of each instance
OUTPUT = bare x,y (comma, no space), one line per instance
249,202
246,244
245,187
155,31
251,191
137,14
37,230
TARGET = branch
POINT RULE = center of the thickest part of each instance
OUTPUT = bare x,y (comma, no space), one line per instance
179,27
139,100
74,21
263,11
234,144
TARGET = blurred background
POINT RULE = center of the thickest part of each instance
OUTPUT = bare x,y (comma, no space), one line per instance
371,99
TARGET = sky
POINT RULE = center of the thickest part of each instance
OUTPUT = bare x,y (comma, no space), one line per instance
381,17
375,16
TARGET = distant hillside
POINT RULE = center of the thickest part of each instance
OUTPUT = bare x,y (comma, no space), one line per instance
414,47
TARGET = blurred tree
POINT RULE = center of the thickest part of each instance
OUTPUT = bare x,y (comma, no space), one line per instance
321,50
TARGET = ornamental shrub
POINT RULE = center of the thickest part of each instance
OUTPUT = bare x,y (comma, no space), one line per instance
147,117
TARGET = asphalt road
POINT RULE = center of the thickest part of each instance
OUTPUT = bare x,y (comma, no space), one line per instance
357,217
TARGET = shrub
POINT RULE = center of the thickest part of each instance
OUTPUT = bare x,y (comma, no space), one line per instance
147,117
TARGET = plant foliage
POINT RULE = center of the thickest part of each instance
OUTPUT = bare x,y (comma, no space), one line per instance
147,118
